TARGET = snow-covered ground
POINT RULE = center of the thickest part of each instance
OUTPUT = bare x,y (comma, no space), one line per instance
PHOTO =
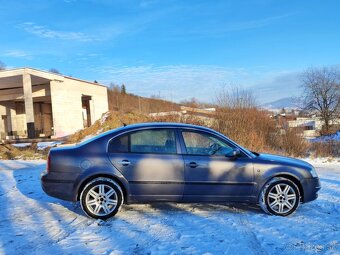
33,223
327,138
40,145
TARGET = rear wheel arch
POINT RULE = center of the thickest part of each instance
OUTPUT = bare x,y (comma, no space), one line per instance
91,178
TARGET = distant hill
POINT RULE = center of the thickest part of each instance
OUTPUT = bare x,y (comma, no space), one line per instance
287,102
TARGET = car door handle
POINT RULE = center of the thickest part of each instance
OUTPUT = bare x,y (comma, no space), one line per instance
124,162
192,164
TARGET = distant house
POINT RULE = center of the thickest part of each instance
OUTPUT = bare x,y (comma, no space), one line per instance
35,103
311,126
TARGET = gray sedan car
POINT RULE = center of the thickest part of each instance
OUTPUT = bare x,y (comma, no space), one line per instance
157,162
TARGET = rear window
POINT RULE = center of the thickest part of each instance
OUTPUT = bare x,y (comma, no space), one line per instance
119,144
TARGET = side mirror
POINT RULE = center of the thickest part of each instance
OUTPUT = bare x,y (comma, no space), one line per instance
234,153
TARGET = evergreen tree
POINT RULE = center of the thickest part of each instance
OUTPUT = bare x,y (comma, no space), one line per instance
123,89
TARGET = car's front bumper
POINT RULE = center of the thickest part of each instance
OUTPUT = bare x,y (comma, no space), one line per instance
310,186
62,189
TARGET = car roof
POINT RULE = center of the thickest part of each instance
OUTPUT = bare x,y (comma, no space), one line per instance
165,125
145,125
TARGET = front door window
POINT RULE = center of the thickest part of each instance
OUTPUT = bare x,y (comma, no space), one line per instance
205,144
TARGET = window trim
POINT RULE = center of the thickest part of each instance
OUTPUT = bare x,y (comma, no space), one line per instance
129,132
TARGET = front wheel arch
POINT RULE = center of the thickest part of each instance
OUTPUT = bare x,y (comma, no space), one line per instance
296,182
264,197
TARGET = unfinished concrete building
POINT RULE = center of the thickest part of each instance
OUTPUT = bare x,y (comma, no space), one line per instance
35,104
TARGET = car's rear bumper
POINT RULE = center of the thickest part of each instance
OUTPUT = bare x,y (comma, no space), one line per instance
310,186
62,189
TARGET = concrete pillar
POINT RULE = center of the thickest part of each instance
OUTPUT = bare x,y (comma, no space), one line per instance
10,113
29,110
57,119
92,111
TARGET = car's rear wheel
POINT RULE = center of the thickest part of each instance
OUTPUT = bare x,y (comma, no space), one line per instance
280,196
101,198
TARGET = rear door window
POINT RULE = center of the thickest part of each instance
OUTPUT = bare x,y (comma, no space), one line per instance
153,141
159,141
119,144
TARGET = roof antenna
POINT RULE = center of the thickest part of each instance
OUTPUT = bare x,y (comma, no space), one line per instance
124,124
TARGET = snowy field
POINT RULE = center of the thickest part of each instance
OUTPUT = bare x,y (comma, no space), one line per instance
33,223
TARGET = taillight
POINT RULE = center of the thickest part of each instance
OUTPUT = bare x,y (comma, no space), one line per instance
48,163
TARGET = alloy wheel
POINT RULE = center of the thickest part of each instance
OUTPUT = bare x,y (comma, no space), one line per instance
101,200
281,198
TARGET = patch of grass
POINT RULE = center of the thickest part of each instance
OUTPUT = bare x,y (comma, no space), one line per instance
325,149
8,151
109,120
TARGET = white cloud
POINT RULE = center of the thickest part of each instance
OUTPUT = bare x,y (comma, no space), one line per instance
45,32
147,3
252,24
221,28
17,54
201,81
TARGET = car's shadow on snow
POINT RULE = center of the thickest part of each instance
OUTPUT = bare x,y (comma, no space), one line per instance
27,209
169,207
29,186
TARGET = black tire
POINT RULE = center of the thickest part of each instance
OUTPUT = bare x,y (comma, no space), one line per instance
100,201
286,204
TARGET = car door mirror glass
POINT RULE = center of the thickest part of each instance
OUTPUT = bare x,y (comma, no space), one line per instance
234,153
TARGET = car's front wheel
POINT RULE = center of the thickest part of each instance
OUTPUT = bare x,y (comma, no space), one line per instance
101,198
280,196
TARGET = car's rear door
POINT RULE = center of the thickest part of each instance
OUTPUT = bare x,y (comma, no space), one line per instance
209,174
150,161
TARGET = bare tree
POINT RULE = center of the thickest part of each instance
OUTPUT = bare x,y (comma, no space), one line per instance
236,98
2,65
193,102
321,93
115,88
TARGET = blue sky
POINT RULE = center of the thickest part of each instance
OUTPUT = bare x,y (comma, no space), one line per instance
175,49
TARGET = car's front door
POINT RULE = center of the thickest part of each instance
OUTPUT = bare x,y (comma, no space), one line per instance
210,175
150,161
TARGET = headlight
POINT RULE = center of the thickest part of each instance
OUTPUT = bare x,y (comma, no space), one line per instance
313,172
